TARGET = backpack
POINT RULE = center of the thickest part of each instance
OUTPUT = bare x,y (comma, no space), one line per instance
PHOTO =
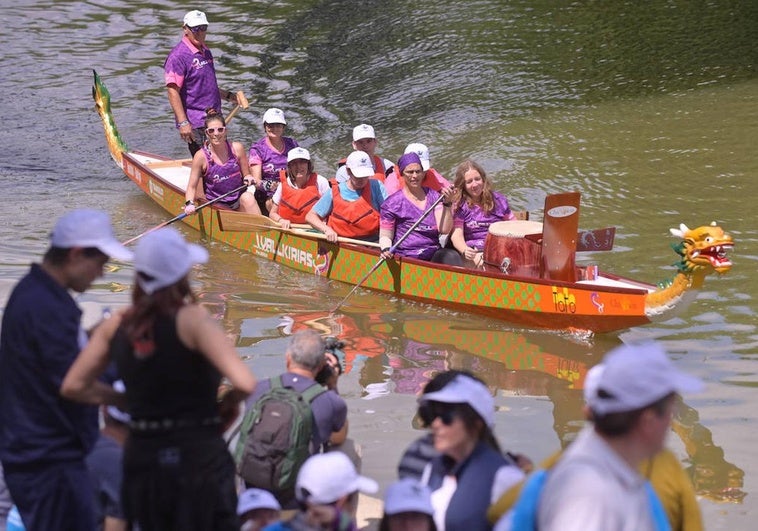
275,438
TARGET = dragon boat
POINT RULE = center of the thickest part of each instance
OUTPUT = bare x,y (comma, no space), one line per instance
531,278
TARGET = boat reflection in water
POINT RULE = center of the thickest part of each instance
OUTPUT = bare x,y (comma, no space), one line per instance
398,352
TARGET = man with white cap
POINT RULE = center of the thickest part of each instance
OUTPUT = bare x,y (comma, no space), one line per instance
351,208
364,139
432,178
596,484
300,187
175,429
44,438
268,157
190,78
327,490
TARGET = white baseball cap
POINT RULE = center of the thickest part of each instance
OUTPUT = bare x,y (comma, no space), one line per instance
408,496
591,381
636,376
252,499
363,131
274,116
325,478
195,18
465,390
359,163
298,153
88,228
422,151
165,257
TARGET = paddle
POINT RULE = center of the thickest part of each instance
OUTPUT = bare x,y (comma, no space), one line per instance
241,102
183,215
391,250
233,221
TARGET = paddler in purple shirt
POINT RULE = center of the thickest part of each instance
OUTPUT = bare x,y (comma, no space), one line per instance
402,209
190,77
268,157
477,207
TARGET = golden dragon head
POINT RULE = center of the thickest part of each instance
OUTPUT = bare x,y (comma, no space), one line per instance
703,250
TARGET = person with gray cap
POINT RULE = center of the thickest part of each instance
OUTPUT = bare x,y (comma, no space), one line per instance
190,78
471,470
43,438
171,355
596,484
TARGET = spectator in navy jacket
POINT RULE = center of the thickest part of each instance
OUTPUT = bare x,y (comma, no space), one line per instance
44,438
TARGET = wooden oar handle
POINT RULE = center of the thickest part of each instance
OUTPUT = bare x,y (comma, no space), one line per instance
241,102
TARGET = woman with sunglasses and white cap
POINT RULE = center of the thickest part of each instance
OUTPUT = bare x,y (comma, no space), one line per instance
218,168
471,471
171,355
268,156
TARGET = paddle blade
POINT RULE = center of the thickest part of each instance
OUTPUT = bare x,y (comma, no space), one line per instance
233,221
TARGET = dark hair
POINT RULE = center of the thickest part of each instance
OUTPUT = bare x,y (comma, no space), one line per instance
212,115
619,424
473,422
384,524
488,201
57,256
138,320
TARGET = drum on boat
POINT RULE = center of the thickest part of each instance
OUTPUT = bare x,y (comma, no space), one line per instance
508,251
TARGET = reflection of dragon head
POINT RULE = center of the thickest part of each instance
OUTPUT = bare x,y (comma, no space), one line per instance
703,250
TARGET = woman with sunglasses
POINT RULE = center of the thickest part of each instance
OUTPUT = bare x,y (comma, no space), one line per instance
477,207
470,471
220,165
402,209
268,157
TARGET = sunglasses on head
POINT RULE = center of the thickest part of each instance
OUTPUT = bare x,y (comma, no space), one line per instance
198,29
429,411
211,130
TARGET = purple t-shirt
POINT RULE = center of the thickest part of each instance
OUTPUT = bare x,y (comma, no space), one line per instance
193,72
329,409
476,223
270,160
398,212
220,179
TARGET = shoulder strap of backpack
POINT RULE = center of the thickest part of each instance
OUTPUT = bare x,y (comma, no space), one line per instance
313,391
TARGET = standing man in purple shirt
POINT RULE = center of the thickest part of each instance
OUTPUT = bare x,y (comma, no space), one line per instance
190,77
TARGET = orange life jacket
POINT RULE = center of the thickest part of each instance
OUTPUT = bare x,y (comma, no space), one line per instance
379,174
295,202
430,180
353,219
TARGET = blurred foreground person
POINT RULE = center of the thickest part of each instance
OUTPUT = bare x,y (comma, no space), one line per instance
171,355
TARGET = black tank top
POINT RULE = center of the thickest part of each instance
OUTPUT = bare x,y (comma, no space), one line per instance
173,382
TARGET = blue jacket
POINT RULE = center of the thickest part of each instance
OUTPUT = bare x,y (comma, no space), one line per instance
475,476
41,337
